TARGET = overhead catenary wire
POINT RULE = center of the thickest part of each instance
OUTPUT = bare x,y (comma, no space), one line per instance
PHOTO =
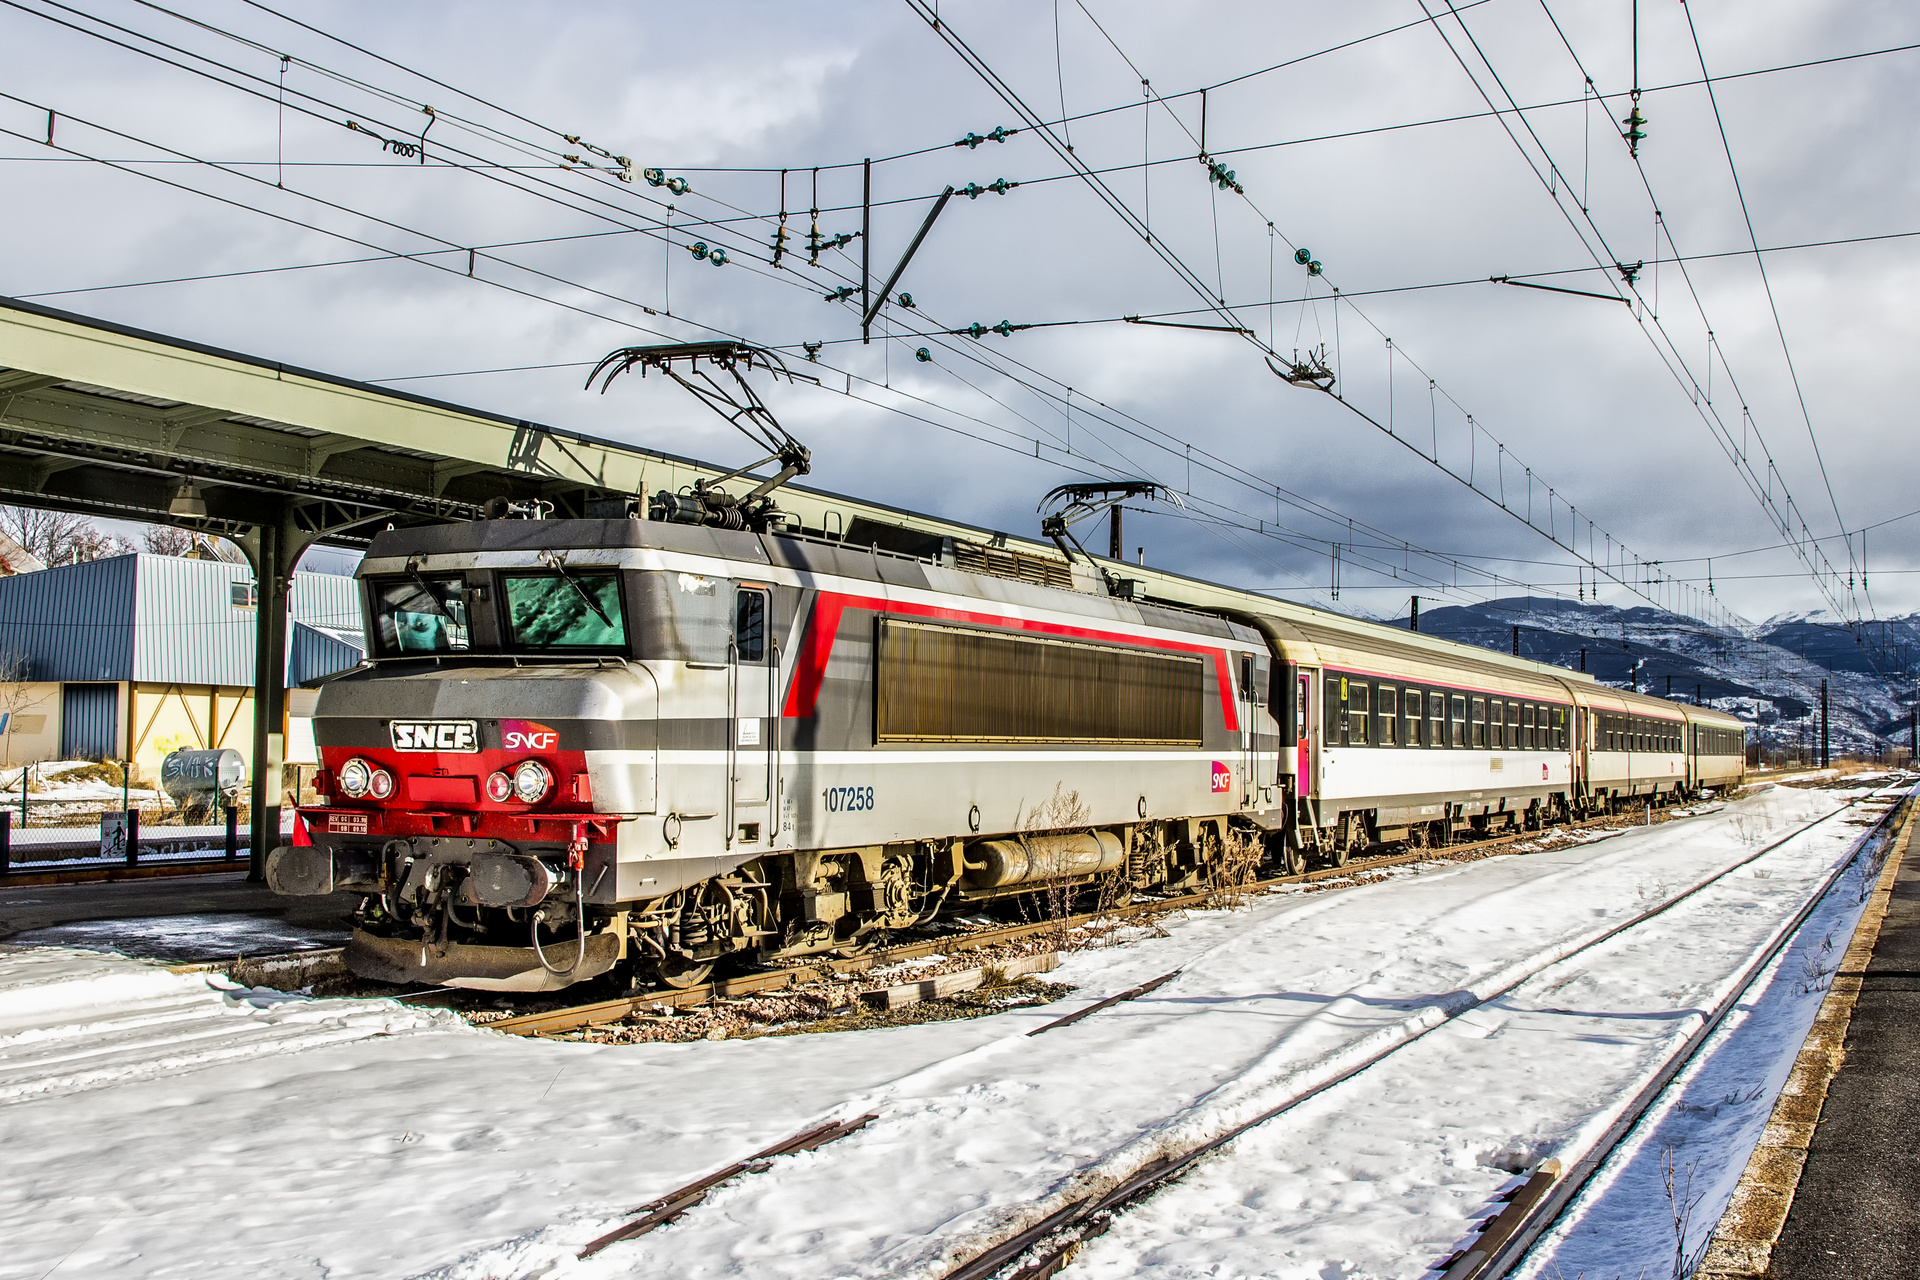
603,294
1760,262
976,63
1763,492
323,230
1547,178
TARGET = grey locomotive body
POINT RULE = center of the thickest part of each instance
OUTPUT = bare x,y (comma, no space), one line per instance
587,743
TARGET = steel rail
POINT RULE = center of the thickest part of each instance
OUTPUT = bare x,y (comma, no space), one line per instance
1059,1236
1503,1245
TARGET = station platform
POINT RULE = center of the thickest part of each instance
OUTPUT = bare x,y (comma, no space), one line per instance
1833,1187
1856,1211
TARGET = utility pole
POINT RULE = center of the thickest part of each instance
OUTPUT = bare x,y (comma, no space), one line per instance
866,245
1826,741
1583,659
1516,641
1116,549
1413,615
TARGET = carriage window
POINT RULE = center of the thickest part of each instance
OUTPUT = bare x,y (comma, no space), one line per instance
1497,724
1335,705
750,626
1359,711
1459,736
1436,719
1389,712
1526,726
1559,729
1414,701
1479,722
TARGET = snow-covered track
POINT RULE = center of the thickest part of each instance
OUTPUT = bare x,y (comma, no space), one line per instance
1088,1205
574,1017
1506,1237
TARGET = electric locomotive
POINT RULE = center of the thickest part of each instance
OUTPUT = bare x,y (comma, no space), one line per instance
706,730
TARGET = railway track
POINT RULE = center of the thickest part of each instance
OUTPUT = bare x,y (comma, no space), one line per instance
1539,1202
1098,1196
575,1017
301,967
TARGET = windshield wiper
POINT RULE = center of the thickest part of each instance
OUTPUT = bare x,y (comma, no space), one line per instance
439,605
560,567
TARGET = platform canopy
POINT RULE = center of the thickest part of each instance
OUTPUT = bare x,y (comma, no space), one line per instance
106,420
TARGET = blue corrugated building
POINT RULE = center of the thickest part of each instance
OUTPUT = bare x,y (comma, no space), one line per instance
132,656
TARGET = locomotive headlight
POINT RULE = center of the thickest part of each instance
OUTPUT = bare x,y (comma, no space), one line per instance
499,788
380,784
531,781
355,777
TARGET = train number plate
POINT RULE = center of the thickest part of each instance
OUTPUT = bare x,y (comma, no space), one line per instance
436,735
348,824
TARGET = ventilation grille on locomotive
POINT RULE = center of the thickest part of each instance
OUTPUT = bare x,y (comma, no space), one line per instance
949,684
1020,565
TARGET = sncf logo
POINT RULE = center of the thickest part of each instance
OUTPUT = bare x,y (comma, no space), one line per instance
435,735
1222,777
528,735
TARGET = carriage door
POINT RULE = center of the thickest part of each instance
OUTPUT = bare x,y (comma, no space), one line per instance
1302,721
750,693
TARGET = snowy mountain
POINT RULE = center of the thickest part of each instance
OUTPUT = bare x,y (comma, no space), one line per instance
1770,676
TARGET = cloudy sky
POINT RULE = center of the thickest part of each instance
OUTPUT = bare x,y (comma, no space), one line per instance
1671,423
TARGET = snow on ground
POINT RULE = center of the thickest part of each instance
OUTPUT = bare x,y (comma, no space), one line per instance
183,939
1384,1175
425,1148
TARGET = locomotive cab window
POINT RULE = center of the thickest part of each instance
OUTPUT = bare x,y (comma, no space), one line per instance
750,625
576,610
420,615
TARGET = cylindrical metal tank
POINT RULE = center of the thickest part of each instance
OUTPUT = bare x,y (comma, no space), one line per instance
203,780
992,864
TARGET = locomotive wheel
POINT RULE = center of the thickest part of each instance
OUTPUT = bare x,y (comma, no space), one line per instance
681,972
1293,861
